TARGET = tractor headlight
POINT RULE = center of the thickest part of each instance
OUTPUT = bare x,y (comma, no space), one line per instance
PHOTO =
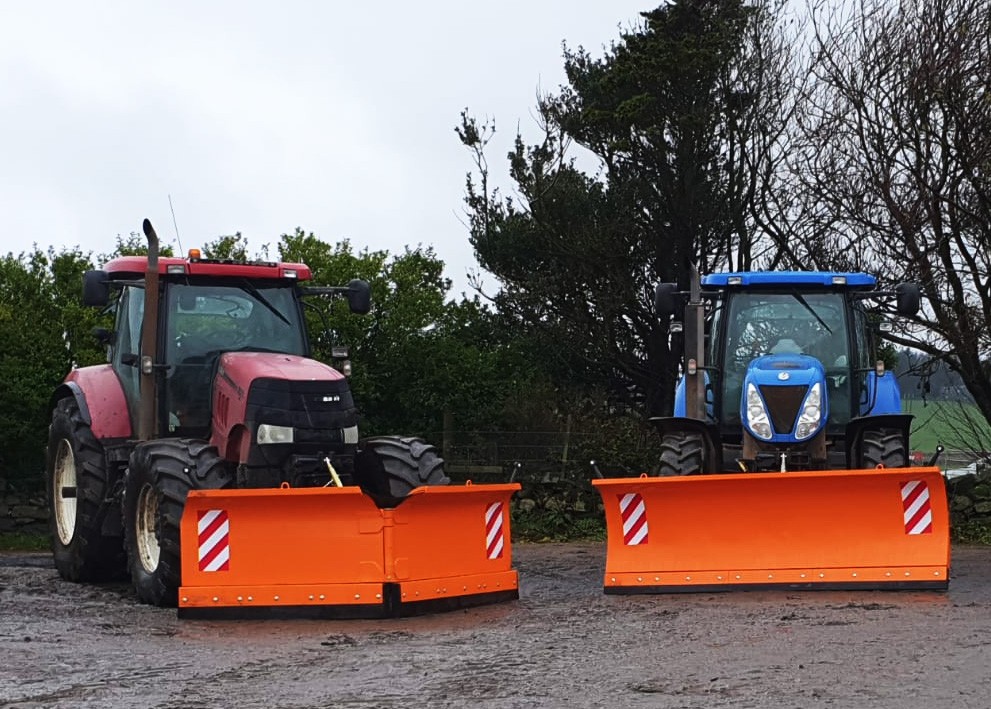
811,417
267,433
757,419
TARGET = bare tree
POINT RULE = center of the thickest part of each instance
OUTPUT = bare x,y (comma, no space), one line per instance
894,171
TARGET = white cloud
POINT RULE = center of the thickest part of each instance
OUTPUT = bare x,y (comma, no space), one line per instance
260,117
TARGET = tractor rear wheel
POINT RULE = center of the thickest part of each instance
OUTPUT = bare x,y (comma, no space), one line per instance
78,490
681,454
159,476
884,447
388,468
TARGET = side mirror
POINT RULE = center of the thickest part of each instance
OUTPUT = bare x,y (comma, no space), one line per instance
103,335
909,297
359,296
96,289
666,299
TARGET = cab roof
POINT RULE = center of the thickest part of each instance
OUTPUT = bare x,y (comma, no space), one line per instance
135,267
789,279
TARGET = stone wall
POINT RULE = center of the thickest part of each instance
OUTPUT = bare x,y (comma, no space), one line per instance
969,500
22,511
970,496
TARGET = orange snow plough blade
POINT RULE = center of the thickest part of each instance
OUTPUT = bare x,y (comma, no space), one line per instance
331,552
874,529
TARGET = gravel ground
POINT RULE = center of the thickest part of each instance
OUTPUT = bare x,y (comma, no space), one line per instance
564,643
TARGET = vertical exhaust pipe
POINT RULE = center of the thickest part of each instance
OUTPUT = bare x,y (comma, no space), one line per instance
695,349
149,331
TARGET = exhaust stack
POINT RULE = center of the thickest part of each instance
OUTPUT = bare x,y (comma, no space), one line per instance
149,330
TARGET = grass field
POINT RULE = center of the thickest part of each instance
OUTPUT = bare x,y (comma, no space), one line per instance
954,425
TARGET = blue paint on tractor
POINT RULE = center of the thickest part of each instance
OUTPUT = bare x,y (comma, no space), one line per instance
807,279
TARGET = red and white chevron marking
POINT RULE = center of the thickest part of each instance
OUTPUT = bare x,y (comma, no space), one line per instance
634,512
214,540
495,539
918,509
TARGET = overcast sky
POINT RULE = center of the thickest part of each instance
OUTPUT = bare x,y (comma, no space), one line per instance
260,117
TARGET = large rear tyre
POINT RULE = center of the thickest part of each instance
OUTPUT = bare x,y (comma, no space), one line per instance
160,475
78,489
388,468
681,454
883,447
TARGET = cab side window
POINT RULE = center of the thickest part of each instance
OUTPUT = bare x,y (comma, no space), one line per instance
130,309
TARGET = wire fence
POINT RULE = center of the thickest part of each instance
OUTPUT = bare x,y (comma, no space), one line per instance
548,454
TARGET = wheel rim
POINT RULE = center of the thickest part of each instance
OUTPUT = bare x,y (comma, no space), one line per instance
144,533
64,478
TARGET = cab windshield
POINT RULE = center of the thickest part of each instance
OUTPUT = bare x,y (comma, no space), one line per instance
204,319
786,323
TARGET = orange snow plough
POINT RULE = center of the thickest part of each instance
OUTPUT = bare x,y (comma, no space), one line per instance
823,529
333,552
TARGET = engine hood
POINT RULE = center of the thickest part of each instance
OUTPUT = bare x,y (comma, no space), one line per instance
241,368
785,370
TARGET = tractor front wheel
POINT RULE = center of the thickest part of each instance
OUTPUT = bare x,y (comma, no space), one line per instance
160,475
883,447
78,486
388,468
681,454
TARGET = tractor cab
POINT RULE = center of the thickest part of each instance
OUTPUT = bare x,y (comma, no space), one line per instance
785,333
787,376
207,308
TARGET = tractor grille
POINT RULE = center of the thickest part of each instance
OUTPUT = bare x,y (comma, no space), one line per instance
783,403
308,404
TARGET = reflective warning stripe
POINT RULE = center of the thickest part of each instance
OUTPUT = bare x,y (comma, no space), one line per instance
494,536
213,529
634,512
917,508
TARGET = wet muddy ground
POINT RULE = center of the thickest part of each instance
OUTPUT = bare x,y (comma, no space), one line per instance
563,643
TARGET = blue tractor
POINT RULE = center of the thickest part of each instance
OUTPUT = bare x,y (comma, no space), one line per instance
781,373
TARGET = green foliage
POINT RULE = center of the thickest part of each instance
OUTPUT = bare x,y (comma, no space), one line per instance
24,542
971,533
44,332
556,526
232,247
134,244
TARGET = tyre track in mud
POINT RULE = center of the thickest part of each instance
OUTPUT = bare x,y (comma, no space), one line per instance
564,643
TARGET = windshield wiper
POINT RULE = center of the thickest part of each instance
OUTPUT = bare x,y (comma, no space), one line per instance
801,299
249,288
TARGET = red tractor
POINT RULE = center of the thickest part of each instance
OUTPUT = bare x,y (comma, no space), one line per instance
209,385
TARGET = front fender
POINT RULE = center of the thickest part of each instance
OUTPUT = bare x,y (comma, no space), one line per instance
100,398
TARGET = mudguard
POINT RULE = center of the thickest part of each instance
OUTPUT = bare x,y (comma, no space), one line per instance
330,552
883,395
101,400
840,529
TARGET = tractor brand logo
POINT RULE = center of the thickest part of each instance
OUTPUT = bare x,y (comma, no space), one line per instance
494,536
784,376
917,508
213,530
634,512
330,398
